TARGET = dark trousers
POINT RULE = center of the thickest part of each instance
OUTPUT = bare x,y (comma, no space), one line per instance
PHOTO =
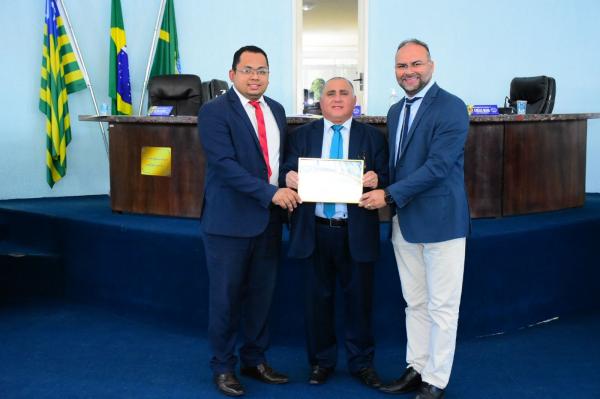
330,259
242,274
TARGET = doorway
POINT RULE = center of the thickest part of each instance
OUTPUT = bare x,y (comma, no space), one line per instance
330,40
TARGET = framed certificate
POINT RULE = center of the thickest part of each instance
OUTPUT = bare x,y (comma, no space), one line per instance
330,180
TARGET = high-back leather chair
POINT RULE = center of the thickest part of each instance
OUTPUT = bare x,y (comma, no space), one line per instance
183,92
213,88
218,88
206,92
538,91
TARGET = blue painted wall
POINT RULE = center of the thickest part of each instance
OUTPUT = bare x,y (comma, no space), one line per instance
209,33
477,48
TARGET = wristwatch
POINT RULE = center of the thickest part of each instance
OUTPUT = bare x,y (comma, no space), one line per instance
388,197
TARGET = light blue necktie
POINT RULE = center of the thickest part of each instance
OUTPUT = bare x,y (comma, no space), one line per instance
335,152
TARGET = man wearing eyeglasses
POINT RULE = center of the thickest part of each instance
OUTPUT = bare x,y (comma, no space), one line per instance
427,134
242,134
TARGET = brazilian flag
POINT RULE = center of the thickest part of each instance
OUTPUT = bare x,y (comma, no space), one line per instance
166,59
60,76
119,85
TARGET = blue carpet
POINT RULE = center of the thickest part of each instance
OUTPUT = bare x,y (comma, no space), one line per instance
132,314
519,270
63,350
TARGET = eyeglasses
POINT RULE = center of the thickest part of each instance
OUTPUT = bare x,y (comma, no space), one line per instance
251,71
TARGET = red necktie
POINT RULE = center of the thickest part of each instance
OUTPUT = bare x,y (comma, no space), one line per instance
262,133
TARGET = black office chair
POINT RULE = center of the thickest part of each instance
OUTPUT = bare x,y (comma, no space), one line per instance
538,91
218,88
183,92
213,88
206,92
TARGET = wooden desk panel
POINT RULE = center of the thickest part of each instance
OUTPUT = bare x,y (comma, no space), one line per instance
181,194
544,166
514,164
484,150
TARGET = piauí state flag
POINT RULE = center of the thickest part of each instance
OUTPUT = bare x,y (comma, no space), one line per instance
60,76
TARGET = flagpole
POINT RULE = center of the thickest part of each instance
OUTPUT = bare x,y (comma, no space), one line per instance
79,56
161,12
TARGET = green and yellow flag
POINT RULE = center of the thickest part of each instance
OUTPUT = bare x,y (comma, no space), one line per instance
60,76
119,85
166,59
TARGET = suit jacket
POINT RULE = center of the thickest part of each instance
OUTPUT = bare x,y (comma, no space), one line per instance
427,181
366,143
237,194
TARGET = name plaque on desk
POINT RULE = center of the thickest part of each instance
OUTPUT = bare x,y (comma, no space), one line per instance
160,110
156,161
483,110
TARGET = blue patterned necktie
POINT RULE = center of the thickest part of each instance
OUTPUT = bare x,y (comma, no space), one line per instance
335,152
404,131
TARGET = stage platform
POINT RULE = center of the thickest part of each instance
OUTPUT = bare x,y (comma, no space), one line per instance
519,270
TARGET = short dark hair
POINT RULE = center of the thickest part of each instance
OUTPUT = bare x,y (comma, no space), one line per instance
252,49
417,42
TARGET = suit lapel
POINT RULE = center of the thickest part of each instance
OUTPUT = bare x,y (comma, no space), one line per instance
281,124
426,102
392,123
279,118
316,139
239,109
355,138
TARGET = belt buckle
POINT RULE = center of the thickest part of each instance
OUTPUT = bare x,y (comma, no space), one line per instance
331,221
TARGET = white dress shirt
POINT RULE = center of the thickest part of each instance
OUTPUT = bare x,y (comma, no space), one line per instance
341,210
273,138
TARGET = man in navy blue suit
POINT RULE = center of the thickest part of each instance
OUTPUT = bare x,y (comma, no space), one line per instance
337,239
242,134
427,134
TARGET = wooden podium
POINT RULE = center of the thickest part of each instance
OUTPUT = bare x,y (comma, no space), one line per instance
181,193
514,164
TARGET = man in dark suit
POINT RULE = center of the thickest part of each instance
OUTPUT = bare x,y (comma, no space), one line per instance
427,134
242,133
337,239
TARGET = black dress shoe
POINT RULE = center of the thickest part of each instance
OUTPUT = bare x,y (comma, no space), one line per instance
428,391
408,382
319,375
368,376
263,372
228,384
